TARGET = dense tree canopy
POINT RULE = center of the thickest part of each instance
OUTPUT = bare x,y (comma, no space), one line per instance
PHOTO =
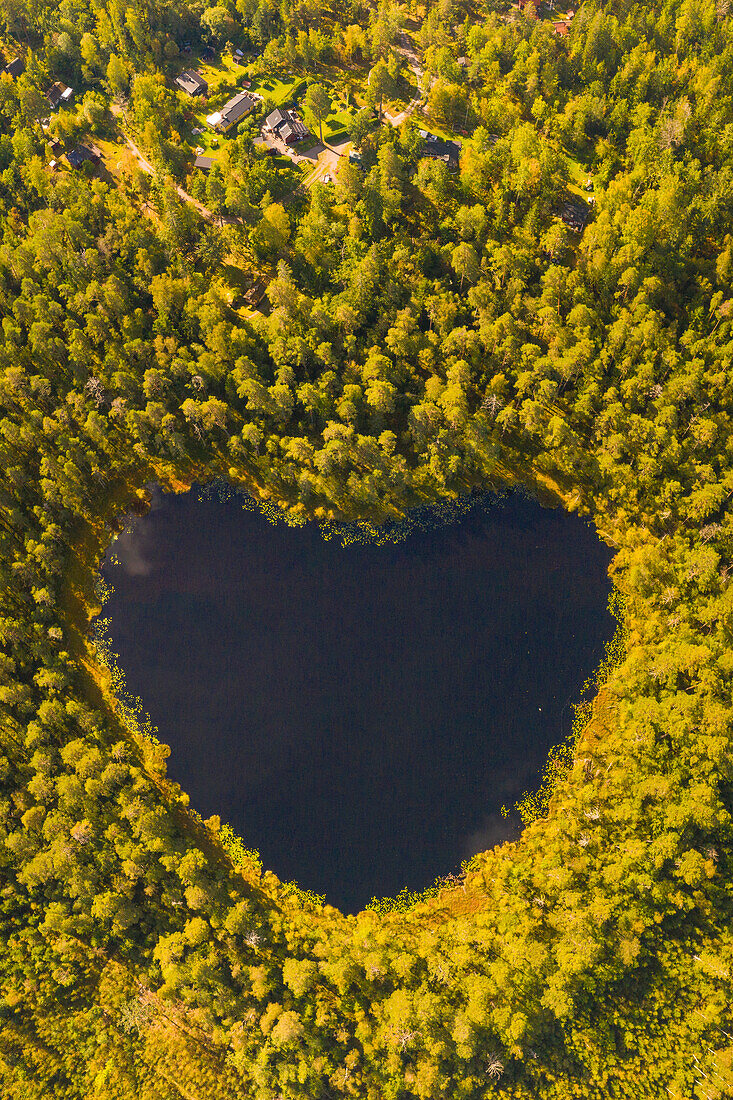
425,331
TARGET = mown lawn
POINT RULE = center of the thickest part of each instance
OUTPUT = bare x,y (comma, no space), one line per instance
334,127
281,91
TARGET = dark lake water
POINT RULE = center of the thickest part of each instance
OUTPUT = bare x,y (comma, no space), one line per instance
358,714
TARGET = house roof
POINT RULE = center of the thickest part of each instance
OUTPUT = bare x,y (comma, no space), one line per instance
191,82
575,214
204,163
286,124
237,107
438,149
297,128
59,93
561,28
276,118
15,67
80,153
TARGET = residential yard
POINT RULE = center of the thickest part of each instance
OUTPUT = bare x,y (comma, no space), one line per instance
334,127
423,122
277,88
220,73
280,91
210,142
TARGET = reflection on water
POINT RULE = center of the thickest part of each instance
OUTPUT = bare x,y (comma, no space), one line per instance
358,714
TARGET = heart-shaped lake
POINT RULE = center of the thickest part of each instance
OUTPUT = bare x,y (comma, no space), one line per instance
358,714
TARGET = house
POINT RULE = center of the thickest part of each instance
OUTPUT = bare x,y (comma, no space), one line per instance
15,67
286,125
561,29
80,153
56,147
237,57
575,214
275,119
204,163
293,132
232,112
437,149
192,83
58,94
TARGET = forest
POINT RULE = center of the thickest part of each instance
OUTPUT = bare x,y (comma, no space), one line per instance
424,329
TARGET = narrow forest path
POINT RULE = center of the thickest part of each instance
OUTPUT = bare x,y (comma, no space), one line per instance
209,215
408,51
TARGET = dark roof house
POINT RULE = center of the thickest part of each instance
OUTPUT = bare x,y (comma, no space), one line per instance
575,214
204,163
192,83
230,114
438,149
58,93
15,67
80,153
286,125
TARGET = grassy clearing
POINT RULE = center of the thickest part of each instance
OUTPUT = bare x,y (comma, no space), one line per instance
118,158
211,143
281,91
578,174
334,127
423,122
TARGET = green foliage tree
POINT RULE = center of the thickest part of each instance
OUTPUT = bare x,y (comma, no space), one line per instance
317,106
